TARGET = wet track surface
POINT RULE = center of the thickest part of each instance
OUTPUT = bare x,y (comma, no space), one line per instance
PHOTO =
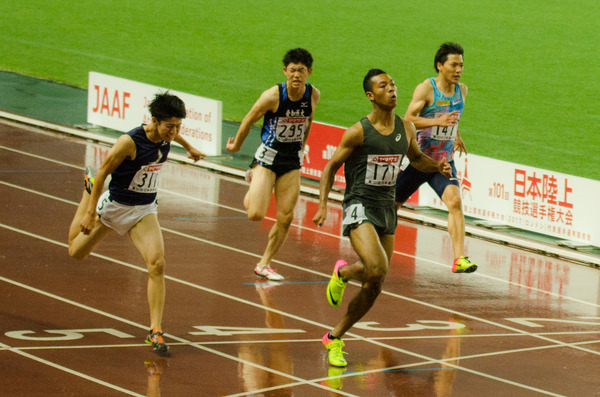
523,325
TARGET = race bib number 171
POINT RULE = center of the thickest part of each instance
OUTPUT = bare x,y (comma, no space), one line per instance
382,170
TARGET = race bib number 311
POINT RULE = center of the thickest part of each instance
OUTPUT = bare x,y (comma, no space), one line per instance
382,170
146,179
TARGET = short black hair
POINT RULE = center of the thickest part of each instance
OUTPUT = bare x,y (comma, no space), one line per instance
164,106
446,49
298,55
368,82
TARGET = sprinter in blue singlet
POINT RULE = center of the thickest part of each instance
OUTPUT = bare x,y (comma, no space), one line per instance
435,110
288,112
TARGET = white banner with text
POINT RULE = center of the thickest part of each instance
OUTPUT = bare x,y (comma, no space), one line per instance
122,105
528,198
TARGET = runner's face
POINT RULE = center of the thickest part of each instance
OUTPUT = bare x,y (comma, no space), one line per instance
384,91
169,128
297,74
452,69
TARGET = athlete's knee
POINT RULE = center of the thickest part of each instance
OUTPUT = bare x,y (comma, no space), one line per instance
256,209
455,205
255,215
375,273
156,267
453,202
373,287
285,219
77,253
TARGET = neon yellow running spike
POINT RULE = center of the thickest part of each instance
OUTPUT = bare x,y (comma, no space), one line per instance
89,179
336,286
463,265
335,353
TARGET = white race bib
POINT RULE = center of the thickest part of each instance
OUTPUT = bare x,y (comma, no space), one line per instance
355,213
265,154
382,169
146,179
290,129
440,133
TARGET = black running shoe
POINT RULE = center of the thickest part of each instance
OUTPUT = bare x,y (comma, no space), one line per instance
155,339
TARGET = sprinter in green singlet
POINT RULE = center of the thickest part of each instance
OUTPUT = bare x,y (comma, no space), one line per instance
372,151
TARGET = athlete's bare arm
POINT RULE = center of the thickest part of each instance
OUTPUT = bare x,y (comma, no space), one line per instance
421,100
352,138
315,97
418,159
269,100
459,144
124,148
193,153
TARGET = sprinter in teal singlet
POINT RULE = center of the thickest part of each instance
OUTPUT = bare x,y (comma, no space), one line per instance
288,110
435,110
372,151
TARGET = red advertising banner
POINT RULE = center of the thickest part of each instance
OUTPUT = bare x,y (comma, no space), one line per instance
321,144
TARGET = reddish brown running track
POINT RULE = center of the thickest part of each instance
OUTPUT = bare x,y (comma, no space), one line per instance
522,325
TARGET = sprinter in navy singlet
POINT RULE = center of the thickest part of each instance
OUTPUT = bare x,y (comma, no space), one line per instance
135,182
283,132
288,110
129,205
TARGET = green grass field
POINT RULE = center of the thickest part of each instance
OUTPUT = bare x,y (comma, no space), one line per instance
531,66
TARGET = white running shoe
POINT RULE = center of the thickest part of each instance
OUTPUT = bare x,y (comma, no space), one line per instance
267,272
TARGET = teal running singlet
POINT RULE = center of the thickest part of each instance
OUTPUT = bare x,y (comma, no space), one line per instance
438,142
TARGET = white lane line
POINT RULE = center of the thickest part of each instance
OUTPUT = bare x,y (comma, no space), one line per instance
134,324
222,294
301,268
314,230
288,341
68,370
40,157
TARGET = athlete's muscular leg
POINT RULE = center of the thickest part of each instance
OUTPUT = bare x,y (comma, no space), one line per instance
258,197
375,253
74,229
80,245
456,219
147,238
287,189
